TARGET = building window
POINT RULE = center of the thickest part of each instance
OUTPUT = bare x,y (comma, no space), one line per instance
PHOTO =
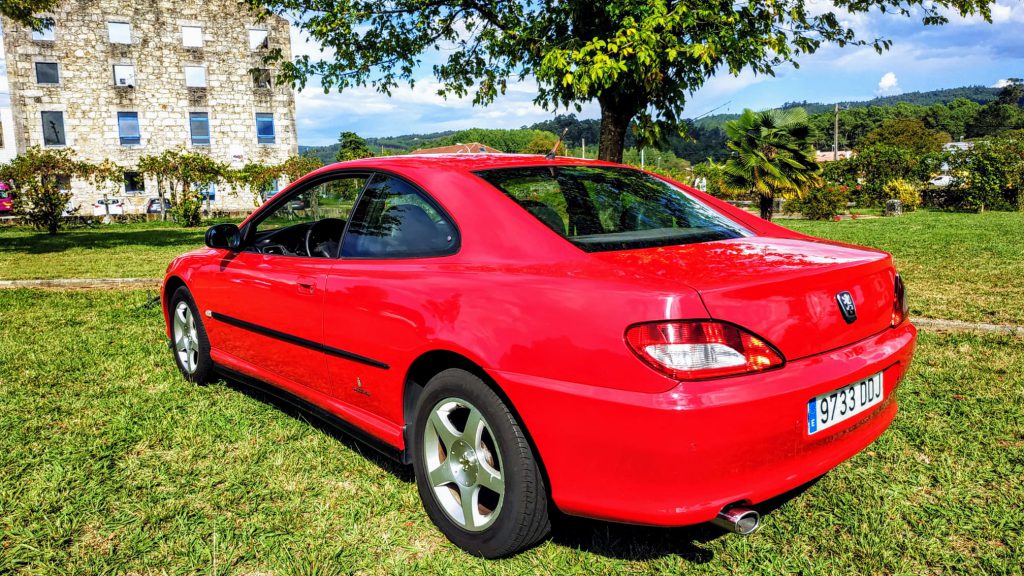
258,39
124,75
199,123
44,35
119,32
261,79
134,183
265,128
192,36
195,76
128,128
47,73
206,192
53,129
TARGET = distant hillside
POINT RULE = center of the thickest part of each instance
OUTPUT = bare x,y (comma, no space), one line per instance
391,145
979,94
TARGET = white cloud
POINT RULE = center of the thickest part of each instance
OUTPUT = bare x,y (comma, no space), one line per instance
1002,13
888,84
1002,83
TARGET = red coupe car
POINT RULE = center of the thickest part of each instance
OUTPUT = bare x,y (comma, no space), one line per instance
529,333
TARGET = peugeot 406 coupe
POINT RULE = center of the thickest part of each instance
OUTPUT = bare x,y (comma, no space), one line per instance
532,334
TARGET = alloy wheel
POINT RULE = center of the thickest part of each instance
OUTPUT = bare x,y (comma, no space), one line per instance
186,339
463,464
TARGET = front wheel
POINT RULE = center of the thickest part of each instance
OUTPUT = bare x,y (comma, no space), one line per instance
188,338
475,469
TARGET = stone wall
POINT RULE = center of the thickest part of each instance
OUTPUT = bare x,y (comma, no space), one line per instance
90,100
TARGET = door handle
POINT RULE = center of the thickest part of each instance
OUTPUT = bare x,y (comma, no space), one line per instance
306,285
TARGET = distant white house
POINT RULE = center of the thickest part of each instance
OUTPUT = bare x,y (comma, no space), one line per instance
830,155
957,146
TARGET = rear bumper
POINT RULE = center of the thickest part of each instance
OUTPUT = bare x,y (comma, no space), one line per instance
679,457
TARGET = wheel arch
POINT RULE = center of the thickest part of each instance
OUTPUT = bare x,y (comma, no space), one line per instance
171,285
431,363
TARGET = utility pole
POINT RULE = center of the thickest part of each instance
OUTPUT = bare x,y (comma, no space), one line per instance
583,143
642,158
835,137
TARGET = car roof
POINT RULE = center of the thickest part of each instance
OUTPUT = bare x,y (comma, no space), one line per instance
464,162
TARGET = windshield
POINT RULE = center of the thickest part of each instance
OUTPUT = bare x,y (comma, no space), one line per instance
600,208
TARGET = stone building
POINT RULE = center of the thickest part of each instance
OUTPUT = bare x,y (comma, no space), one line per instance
122,79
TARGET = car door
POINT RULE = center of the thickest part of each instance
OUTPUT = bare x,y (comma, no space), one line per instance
397,234
271,298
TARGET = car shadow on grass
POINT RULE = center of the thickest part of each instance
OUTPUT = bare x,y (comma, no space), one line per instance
400,471
629,542
43,243
608,539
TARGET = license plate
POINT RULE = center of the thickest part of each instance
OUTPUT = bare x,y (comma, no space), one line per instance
839,405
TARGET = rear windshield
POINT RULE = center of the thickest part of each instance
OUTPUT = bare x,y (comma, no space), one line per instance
600,208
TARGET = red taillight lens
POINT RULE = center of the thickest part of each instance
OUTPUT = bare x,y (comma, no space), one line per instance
699,349
899,303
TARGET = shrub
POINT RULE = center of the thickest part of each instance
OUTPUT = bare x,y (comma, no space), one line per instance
186,176
881,164
39,180
821,202
988,176
904,191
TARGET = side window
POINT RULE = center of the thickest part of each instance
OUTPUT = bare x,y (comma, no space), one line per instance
323,208
395,220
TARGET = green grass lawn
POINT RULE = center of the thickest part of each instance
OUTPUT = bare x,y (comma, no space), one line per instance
138,250
957,266
111,463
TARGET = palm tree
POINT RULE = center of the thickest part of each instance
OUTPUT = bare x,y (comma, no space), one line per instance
771,154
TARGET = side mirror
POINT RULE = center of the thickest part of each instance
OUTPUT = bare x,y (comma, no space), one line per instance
224,237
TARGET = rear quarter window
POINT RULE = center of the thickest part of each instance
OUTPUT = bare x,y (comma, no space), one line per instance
600,208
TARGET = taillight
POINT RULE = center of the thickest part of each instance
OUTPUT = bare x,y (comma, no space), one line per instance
899,303
699,349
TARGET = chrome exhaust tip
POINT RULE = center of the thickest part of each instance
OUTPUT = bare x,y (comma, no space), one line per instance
738,519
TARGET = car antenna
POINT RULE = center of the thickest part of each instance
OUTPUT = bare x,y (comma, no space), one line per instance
551,155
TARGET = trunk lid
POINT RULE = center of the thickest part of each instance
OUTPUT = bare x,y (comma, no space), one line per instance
782,289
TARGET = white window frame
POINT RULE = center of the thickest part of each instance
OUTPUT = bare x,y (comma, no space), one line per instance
115,32
46,34
189,39
191,82
255,42
126,72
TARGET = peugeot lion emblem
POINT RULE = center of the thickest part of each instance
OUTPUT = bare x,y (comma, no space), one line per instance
847,307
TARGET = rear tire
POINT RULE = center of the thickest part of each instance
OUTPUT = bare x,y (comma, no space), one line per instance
189,342
469,448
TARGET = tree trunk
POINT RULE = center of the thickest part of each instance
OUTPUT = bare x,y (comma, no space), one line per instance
767,206
615,118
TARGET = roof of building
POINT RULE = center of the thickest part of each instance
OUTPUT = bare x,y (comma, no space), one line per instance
471,148
830,155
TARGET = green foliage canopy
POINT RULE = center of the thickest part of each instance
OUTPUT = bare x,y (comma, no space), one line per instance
351,147
908,134
639,59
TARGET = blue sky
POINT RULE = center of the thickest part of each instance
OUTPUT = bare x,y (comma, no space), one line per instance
962,53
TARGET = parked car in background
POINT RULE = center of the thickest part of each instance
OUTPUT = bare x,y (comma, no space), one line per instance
529,333
108,206
153,206
6,202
